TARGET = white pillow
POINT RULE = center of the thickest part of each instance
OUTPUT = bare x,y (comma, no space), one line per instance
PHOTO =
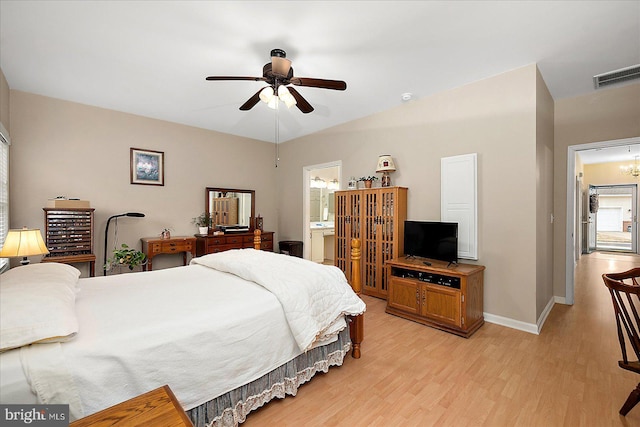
37,304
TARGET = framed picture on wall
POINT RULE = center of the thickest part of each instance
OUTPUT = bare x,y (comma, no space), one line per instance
147,167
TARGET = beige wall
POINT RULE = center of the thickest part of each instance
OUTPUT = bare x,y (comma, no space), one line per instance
607,174
65,148
544,196
605,115
495,118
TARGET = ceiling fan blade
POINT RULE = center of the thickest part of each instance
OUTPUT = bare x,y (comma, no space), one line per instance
218,78
251,102
321,83
301,103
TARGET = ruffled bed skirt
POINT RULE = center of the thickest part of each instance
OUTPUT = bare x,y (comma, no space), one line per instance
232,408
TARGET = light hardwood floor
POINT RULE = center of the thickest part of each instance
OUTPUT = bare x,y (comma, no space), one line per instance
413,375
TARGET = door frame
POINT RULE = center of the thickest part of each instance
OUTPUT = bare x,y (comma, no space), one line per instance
570,232
306,201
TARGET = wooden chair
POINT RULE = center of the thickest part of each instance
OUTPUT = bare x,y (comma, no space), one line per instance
625,294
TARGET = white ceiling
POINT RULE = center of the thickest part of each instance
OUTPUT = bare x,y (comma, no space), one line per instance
151,57
621,153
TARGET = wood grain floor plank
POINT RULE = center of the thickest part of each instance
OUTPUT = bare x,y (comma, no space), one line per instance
413,375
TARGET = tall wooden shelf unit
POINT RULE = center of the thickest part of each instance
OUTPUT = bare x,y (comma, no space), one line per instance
375,216
69,236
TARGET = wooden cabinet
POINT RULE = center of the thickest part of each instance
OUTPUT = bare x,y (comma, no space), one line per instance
317,246
348,226
211,244
69,236
152,246
447,298
375,216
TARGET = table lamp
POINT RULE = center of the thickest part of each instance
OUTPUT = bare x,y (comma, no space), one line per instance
385,165
23,243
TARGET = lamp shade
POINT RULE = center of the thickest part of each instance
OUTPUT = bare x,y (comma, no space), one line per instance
23,243
385,164
280,66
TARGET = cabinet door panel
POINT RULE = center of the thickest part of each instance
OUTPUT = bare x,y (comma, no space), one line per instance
403,295
442,304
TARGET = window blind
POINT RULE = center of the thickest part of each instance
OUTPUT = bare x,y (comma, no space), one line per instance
4,192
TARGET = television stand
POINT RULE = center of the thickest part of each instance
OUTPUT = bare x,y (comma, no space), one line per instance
439,295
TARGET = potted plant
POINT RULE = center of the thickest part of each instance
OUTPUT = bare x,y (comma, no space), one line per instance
368,180
203,221
126,256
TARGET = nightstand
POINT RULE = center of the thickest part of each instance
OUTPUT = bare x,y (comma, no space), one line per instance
152,246
158,407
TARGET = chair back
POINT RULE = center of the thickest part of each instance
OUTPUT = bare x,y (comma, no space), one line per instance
625,294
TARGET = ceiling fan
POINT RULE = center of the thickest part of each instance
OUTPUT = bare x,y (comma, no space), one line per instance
278,74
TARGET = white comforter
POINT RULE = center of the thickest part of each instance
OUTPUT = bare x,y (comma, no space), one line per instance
314,296
201,331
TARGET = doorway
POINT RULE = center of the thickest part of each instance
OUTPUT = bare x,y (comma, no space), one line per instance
320,182
576,227
612,218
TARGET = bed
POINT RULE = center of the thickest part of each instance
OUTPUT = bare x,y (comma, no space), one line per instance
227,333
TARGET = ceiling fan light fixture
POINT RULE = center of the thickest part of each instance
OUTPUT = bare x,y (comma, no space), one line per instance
279,73
286,97
266,94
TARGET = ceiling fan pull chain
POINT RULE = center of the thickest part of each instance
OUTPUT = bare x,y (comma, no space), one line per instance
277,132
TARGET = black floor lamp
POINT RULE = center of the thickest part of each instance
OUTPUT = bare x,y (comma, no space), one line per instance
106,235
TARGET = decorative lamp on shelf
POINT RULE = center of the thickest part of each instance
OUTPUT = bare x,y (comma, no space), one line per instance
23,243
385,165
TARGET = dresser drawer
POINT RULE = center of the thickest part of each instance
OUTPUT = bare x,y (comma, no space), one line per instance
220,248
235,241
179,246
266,246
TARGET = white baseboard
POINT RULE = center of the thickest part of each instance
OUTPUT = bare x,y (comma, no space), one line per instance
545,313
560,300
523,326
532,328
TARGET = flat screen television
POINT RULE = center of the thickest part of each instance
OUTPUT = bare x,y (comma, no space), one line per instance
431,239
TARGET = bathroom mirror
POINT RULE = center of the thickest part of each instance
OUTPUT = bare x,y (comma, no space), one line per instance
321,207
228,206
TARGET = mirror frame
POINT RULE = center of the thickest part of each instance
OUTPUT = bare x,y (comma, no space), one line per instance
208,190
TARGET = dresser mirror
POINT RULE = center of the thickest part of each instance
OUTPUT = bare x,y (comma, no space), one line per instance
228,206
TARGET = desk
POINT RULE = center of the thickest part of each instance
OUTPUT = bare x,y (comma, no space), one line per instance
152,246
158,407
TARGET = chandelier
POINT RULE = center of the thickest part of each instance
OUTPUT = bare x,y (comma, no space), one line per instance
633,170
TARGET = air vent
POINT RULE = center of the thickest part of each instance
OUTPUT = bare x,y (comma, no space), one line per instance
617,76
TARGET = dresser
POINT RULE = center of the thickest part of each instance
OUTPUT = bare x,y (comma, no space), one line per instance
210,244
152,246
